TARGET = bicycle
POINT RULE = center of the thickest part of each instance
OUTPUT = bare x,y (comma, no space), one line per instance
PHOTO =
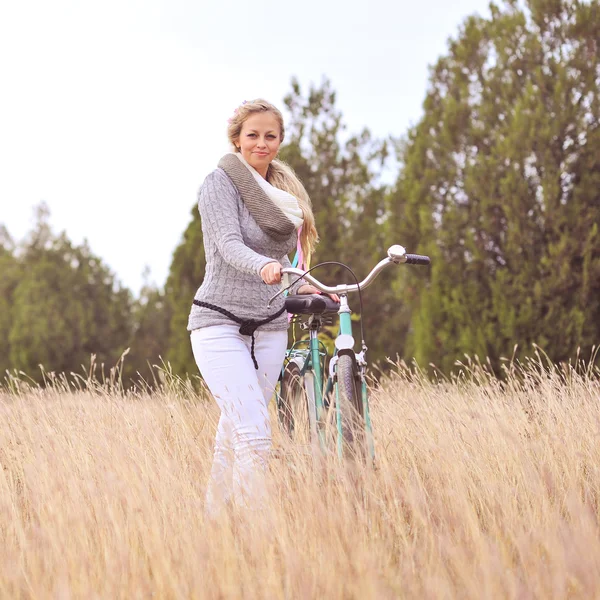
305,398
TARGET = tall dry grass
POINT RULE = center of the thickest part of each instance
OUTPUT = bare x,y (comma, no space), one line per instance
484,489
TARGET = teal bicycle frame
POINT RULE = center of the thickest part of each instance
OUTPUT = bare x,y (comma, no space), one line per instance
313,360
310,358
360,360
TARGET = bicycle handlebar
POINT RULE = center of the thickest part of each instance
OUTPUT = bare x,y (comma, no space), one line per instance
417,259
396,255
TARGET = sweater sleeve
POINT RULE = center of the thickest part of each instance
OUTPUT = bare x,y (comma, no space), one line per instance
218,206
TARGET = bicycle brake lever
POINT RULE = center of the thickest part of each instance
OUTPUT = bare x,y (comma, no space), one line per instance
275,296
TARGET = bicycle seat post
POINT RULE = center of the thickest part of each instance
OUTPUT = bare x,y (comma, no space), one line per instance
313,325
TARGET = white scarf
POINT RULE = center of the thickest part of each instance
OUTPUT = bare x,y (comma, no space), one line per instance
287,203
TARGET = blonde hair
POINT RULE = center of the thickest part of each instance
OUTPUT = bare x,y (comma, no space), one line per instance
279,174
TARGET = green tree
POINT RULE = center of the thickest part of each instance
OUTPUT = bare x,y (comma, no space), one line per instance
185,276
65,305
342,174
150,336
500,186
11,273
342,177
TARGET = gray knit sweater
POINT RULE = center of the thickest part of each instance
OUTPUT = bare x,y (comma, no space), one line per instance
236,249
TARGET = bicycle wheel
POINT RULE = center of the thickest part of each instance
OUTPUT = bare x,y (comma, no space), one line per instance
351,406
296,409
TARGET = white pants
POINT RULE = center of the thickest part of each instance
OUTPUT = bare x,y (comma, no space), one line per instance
243,440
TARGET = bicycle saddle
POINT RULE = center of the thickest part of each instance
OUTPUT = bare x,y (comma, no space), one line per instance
311,304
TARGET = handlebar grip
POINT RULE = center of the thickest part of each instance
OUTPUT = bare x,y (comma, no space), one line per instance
417,259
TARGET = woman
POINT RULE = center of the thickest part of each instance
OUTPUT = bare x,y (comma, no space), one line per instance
253,208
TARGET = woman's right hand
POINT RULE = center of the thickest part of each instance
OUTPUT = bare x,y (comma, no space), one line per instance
271,273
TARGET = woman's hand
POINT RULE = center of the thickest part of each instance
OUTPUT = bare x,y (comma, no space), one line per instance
271,273
311,289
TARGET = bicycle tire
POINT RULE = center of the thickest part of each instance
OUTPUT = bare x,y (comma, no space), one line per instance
350,395
294,409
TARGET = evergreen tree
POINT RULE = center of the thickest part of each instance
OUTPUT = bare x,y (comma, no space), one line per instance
65,305
151,322
11,273
185,276
343,179
349,206
500,186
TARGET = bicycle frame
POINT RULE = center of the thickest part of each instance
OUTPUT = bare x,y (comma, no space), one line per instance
344,339
311,361
344,343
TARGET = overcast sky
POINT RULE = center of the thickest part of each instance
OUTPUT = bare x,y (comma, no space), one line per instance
114,111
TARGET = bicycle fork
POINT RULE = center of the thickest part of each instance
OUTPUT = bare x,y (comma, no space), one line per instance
345,341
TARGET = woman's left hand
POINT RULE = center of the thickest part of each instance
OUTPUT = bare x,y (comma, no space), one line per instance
311,289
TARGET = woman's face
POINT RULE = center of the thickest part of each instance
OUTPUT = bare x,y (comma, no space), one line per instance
259,140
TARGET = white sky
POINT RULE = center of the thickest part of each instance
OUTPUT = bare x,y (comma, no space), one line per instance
113,112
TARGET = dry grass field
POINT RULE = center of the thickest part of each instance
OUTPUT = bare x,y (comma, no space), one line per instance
483,489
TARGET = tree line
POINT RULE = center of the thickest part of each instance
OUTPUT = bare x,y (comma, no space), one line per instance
499,182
